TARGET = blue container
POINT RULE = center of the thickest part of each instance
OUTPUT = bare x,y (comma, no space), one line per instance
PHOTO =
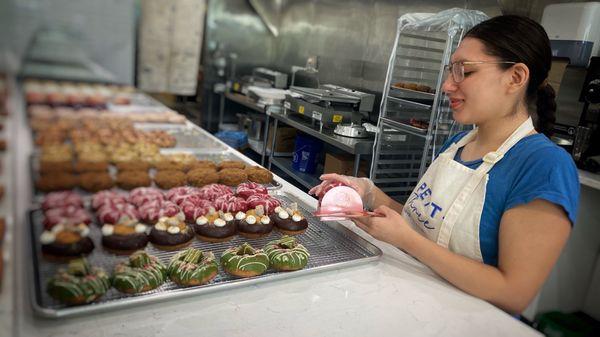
306,153
235,139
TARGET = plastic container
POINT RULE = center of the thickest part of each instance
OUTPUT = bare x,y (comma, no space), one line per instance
235,139
558,324
306,153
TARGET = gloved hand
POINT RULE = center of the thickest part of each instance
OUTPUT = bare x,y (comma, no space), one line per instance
364,187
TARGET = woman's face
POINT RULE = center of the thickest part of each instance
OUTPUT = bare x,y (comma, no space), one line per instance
482,95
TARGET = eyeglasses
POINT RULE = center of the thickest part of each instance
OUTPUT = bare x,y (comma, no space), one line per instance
457,69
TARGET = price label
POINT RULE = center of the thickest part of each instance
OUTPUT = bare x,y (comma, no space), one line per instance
317,115
301,109
337,118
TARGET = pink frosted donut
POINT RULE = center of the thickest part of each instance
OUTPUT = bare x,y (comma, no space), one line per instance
141,195
111,214
62,199
193,210
268,202
213,191
231,203
247,189
150,212
183,190
108,197
72,215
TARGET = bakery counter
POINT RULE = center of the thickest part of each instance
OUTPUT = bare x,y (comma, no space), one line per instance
396,295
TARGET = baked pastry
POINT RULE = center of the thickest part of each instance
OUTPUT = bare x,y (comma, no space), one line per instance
114,213
179,161
171,233
289,220
80,283
169,178
56,182
193,208
141,195
266,201
134,165
213,191
142,272
232,176
131,179
286,254
109,197
231,204
231,164
68,215
259,175
62,199
151,211
63,242
96,181
91,166
2,230
204,164
124,237
244,261
215,226
199,177
254,223
247,189
192,267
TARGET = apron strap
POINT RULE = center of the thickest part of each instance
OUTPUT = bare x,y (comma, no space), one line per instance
489,160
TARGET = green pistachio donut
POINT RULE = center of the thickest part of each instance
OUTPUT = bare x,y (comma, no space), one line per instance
192,267
286,254
244,261
141,273
79,284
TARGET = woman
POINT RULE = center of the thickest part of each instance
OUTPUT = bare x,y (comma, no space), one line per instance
495,208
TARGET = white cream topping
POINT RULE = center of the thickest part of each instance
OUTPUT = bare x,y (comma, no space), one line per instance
219,222
173,230
278,209
140,228
251,219
265,220
47,237
283,214
161,226
84,232
163,219
173,221
202,220
108,230
227,217
58,228
240,215
180,216
123,219
296,217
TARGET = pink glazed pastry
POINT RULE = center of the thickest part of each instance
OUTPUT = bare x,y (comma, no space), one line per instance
340,199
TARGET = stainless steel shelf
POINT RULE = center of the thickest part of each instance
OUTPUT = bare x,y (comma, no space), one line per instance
409,102
258,145
306,179
245,101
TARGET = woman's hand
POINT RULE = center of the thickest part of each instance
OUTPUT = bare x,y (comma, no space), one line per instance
363,186
391,228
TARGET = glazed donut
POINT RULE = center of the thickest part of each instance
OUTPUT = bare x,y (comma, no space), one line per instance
231,204
269,203
215,226
171,233
69,215
80,283
108,198
124,237
142,272
248,189
244,261
151,211
111,214
192,267
141,195
213,191
181,194
289,220
286,254
62,199
193,210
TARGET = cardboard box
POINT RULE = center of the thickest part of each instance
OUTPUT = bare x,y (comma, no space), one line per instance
344,164
286,136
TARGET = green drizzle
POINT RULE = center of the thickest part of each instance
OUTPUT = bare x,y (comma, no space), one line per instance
192,267
80,283
244,261
286,254
142,272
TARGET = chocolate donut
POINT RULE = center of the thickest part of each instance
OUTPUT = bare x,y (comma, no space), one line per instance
171,234
254,223
289,220
215,226
64,242
124,237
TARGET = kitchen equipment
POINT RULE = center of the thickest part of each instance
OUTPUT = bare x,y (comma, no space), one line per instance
351,130
329,104
262,78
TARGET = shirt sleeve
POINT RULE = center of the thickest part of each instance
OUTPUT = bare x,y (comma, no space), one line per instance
450,141
549,174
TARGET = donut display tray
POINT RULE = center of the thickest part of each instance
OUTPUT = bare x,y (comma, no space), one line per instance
331,246
187,136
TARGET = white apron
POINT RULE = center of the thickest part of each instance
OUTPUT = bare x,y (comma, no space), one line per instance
447,203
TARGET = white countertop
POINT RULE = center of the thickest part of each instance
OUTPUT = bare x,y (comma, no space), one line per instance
395,296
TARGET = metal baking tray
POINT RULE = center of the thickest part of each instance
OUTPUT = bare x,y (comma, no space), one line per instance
187,136
331,245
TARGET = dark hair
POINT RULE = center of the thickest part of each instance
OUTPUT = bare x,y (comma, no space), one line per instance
520,39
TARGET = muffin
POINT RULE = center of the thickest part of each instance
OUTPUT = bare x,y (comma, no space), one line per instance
202,176
232,176
170,178
131,179
96,181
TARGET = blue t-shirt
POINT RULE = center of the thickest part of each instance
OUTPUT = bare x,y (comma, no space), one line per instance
534,168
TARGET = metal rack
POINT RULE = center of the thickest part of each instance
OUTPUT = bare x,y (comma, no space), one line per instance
415,118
